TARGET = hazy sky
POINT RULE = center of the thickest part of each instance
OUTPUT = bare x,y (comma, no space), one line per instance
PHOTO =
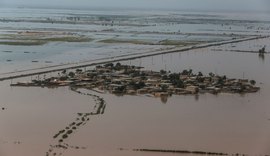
241,5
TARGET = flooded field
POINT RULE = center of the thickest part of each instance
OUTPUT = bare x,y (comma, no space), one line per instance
64,121
32,119
34,38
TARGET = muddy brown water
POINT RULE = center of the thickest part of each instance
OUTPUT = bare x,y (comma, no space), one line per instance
224,123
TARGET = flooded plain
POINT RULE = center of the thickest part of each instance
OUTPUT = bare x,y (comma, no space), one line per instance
33,121
227,123
34,38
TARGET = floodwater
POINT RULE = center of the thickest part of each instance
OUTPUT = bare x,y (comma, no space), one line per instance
228,123
150,26
31,117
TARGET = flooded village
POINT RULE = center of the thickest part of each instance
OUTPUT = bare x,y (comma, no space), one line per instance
124,79
113,82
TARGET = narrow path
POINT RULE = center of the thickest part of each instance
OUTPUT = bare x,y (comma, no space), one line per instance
59,144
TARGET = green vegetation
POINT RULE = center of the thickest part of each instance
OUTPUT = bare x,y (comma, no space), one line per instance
137,85
253,82
71,74
174,79
22,43
67,39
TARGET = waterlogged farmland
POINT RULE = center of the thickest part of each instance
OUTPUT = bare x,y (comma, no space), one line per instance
37,38
68,121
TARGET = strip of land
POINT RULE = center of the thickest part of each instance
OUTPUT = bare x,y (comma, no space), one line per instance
180,152
239,51
187,152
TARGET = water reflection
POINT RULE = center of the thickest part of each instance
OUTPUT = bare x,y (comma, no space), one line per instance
261,57
197,97
164,99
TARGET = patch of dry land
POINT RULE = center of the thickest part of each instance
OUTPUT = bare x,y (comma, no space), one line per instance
147,42
124,79
31,38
